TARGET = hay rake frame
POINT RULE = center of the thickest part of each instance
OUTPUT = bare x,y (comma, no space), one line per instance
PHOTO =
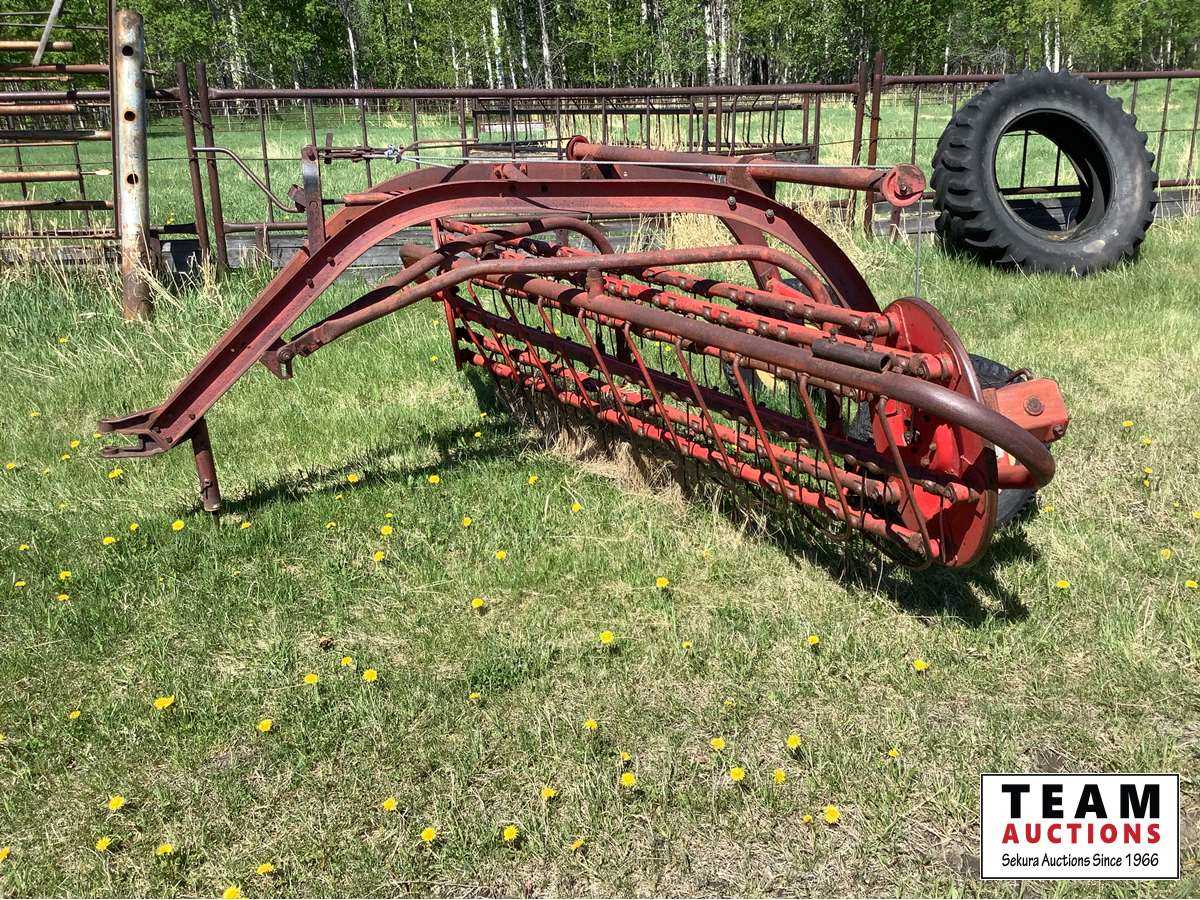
800,384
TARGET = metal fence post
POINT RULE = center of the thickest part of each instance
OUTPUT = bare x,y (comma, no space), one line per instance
133,196
214,183
189,141
873,140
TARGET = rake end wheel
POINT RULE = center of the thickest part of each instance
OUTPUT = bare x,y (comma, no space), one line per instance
793,381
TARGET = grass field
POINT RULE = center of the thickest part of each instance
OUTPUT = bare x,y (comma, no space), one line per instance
473,713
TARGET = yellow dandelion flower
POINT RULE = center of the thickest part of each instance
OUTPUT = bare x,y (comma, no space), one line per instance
74,445
894,753
62,598
64,575
792,741
466,521
244,525
779,775
1128,423
717,743
1146,442
1165,553
435,479
19,584
628,780
1062,584
164,849
4,853
832,814
737,774
590,725
1146,470
429,834
730,703
1191,584
814,640
626,757
233,892
265,725
510,833
9,466
133,527
63,457
339,496
433,359
662,583
388,804
1196,514
388,515
548,792
370,675
577,844
114,474
164,702
347,661
352,478
685,645
331,525
531,480
806,819
311,678
502,555
606,638
386,530
919,664
103,843
474,696
265,868
22,548
115,802
478,603
576,506
178,525
74,714
108,540
378,556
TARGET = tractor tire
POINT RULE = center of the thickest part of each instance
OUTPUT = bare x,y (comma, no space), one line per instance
1118,184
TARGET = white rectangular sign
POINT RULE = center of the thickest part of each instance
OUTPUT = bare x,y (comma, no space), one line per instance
1079,826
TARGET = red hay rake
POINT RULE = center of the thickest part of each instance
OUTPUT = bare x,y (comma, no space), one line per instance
871,420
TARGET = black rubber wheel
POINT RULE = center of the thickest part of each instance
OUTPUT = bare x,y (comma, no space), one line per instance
1117,181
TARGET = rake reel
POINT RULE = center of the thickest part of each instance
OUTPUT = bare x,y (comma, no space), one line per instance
796,382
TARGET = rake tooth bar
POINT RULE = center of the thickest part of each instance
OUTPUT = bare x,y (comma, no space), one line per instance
800,386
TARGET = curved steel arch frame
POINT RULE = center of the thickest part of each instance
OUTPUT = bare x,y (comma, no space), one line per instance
830,337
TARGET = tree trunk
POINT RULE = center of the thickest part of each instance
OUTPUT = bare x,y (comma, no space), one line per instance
547,63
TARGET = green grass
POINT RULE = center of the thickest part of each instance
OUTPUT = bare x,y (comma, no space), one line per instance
1101,676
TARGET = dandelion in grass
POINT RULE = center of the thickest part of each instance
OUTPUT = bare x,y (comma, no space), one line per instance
729,703
919,664
606,638
779,776
1146,470
22,548
1196,514
386,530
311,678
103,843
74,445
64,575
330,525
339,496
1191,584
178,525
63,457
1165,553
792,742
114,474
662,582
389,804
62,598
264,868
164,702
474,697
166,848
501,555
1127,424
46,471
429,834
378,556
510,834
244,525
628,781
814,640
577,844
433,359
435,479
1062,584
894,753
531,480
352,478
347,662
133,527
590,725
115,802
1146,442
576,506
737,774
370,675
478,604
233,892
74,714
626,757
548,792
832,814
466,521
108,540
717,743
806,819
685,645
18,584
5,852
10,466
478,435
265,725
